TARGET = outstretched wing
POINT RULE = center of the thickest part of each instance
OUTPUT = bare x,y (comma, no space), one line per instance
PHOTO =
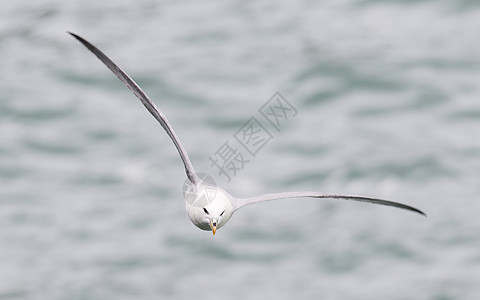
157,114
274,196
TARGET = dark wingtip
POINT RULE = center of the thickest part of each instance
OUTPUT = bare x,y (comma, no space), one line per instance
79,38
424,214
416,210
75,35
411,208
382,202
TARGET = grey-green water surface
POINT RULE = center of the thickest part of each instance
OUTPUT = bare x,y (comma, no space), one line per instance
387,94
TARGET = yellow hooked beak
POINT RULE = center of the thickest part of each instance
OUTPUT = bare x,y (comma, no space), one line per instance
214,227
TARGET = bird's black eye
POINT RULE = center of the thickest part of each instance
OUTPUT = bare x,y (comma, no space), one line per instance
222,213
205,210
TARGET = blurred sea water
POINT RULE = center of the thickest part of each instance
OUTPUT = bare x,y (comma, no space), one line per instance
387,94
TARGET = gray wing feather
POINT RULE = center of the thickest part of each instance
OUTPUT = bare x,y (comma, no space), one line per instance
157,114
274,196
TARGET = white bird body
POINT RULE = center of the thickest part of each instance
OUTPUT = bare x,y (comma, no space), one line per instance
209,206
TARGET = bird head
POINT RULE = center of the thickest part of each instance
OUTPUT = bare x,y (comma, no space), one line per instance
208,206
213,216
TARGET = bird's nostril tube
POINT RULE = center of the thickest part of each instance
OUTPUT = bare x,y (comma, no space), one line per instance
214,223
